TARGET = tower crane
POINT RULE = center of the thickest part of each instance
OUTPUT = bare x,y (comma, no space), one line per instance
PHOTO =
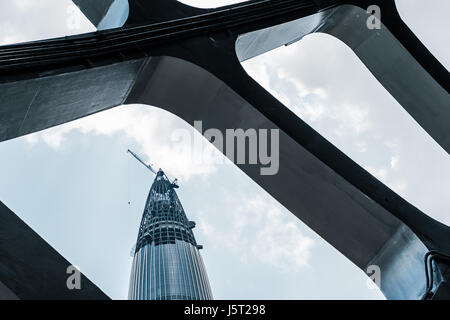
149,167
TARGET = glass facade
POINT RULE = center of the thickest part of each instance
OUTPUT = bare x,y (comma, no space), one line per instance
167,264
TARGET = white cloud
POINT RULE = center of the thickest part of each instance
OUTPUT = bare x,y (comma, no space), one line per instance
386,175
399,186
314,87
313,102
269,234
392,143
322,81
380,174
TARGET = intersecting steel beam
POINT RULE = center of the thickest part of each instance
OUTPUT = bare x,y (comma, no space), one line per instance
104,14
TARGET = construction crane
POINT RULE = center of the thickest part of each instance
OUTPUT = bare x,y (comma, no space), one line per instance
149,167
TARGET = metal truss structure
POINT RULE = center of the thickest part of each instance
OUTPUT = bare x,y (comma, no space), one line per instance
188,61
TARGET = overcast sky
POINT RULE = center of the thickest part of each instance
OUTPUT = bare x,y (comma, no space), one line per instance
72,183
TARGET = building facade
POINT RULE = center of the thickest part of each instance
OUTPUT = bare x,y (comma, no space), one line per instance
167,264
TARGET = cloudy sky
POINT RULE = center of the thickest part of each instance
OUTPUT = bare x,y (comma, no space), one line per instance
72,183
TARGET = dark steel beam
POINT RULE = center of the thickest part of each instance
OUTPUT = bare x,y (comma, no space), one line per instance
94,11
196,54
31,269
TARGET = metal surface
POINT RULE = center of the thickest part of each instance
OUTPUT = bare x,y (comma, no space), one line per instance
190,66
105,14
31,269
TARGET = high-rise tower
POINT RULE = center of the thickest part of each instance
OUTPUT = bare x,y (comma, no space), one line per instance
167,264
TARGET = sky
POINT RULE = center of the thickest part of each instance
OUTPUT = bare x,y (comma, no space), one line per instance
76,186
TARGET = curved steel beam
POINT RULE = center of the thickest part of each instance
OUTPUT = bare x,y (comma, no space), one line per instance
31,269
105,14
196,53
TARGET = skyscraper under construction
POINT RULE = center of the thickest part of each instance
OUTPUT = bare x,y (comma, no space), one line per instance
167,264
